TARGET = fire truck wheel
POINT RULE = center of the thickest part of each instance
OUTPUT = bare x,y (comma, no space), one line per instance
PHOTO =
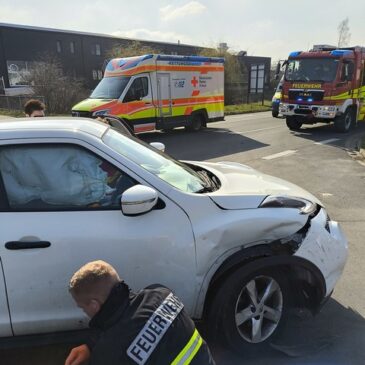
344,122
293,124
196,123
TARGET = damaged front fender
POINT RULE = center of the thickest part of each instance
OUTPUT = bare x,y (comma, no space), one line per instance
242,231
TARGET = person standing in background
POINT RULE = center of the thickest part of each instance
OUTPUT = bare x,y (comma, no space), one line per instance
34,108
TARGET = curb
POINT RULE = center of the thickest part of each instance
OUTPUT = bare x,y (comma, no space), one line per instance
246,112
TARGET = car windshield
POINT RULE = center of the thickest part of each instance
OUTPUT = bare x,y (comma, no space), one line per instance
110,88
166,168
312,69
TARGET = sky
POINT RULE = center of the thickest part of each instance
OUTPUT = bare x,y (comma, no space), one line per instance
260,27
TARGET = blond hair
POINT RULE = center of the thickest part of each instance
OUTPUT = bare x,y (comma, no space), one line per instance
94,280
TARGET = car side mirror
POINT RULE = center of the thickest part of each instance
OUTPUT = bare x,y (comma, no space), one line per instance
158,145
138,199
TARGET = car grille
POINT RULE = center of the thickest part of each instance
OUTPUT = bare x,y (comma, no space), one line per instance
302,111
306,96
82,114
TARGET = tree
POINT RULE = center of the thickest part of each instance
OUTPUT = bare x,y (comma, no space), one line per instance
344,34
134,48
60,91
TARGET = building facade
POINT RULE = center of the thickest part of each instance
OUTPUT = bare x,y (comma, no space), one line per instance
83,55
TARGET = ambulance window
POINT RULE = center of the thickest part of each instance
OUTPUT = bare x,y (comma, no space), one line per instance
138,89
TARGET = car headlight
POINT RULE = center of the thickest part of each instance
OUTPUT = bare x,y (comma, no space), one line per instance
101,112
303,205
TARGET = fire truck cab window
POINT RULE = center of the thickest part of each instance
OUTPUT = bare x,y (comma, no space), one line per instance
347,71
312,69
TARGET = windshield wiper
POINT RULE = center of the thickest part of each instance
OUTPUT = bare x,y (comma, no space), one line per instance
209,184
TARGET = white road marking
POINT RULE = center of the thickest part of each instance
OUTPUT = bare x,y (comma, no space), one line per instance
326,141
256,130
280,154
242,132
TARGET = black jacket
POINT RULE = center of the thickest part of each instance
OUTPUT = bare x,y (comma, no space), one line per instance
148,327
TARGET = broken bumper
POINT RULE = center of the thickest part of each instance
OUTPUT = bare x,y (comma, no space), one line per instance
326,247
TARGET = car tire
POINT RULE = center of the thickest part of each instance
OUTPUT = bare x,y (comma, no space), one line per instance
196,124
293,124
344,122
245,326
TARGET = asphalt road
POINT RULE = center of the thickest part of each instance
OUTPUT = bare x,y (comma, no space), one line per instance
319,160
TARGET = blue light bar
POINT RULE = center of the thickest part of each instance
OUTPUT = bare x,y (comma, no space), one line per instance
295,54
310,100
299,99
341,52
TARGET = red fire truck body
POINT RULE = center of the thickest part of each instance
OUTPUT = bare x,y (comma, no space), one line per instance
324,85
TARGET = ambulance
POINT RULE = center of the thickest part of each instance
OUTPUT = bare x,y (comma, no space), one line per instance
159,92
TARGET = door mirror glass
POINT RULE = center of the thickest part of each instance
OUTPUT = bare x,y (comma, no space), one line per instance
138,199
158,145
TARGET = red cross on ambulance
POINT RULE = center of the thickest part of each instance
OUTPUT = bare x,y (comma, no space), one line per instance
194,81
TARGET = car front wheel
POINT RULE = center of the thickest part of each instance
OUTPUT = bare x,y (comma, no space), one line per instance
250,309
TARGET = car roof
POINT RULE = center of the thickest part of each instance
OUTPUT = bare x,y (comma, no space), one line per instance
54,125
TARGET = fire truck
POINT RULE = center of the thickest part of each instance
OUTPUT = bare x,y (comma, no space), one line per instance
325,84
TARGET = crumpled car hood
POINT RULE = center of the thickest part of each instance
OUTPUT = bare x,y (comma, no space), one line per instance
245,188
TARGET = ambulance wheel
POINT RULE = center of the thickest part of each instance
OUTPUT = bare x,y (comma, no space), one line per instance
344,122
196,123
250,309
293,124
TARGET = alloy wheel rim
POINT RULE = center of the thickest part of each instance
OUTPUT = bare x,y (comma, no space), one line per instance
259,309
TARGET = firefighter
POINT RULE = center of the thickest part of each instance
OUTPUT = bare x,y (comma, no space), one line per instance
148,327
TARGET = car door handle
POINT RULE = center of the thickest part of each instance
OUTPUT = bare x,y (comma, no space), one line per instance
24,245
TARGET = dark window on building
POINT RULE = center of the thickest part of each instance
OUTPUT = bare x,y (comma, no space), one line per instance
257,79
96,49
59,46
72,47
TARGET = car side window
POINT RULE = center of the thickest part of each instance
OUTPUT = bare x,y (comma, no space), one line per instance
60,177
138,89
